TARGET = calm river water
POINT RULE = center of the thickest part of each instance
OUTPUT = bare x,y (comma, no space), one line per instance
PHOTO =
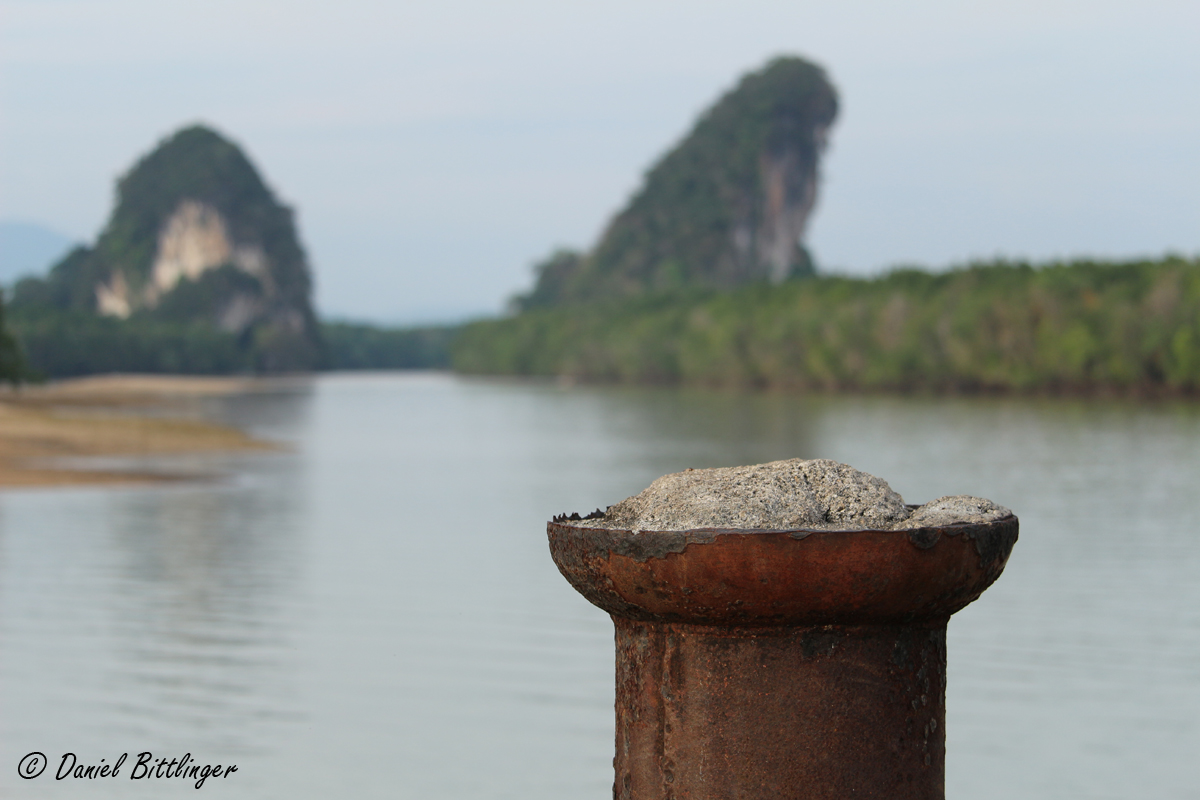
373,612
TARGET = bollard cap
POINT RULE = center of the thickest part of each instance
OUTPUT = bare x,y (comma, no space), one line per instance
772,578
825,544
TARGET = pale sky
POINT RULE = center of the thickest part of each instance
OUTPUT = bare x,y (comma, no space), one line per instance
434,151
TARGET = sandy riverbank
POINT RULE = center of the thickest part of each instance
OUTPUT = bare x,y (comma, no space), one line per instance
111,415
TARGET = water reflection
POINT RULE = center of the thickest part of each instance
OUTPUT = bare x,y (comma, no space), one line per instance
161,619
204,621
373,613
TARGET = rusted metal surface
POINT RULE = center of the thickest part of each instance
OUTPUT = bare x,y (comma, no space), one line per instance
777,664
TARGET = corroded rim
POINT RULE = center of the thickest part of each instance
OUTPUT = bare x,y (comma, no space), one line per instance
721,576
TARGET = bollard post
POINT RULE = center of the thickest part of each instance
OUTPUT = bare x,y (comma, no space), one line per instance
781,663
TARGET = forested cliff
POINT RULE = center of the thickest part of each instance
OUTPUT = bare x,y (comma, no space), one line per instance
199,269
725,207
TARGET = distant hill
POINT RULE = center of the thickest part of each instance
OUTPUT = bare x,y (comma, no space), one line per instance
29,249
198,269
727,206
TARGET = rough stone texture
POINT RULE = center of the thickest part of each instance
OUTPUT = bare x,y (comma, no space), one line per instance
949,510
818,495
194,240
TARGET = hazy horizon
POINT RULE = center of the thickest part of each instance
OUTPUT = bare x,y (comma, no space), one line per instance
434,154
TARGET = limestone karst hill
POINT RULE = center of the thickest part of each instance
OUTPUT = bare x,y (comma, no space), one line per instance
199,269
726,207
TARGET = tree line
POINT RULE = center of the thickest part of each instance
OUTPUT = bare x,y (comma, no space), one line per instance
1082,326
998,326
43,344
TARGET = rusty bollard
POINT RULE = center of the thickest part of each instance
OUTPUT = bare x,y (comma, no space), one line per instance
781,663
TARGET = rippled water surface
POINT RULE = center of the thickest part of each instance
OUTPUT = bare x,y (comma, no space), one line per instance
373,613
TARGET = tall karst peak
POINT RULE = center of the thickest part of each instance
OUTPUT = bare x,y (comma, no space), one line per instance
197,236
192,241
726,206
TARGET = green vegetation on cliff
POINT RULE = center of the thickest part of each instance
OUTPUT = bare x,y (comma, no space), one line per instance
688,285
199,269
1081,326
725,207
198,164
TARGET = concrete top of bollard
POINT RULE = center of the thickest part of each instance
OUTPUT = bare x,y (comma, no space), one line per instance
817,494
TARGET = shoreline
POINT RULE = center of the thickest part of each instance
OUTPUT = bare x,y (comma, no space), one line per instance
1144,392
112,415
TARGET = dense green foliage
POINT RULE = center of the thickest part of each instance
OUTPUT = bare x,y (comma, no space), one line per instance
68,343
680,229
553,278
13,368
69,286
356,346
65,344
266,318
1082,326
